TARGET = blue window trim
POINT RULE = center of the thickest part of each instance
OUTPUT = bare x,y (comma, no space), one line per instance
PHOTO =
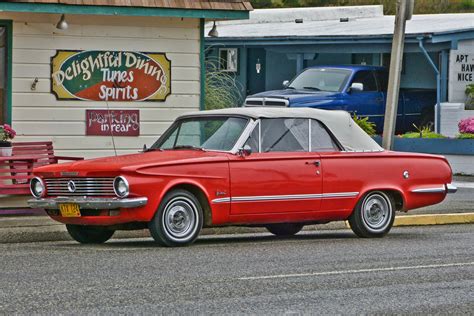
56,8
8,24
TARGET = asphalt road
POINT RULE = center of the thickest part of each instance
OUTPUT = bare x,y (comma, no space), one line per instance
412,270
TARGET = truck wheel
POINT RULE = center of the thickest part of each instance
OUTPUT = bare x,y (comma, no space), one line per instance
373,215
89,234
286,229
178,220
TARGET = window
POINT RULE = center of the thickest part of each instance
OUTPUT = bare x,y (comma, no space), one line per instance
228,59
284,135
254,139
321,79
320,138
3,75
367,79
382,80
215,133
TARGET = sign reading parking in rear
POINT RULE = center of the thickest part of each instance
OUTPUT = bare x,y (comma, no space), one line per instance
113,122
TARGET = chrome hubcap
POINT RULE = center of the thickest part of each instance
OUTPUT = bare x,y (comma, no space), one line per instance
180,219
376,212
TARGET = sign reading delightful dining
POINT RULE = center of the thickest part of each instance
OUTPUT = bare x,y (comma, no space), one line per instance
110,76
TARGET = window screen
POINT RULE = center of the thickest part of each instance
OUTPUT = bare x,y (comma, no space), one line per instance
285,135
320,138
367,79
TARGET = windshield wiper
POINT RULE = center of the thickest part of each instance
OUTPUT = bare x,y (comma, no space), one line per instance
292,88
312,88
152,149
188,147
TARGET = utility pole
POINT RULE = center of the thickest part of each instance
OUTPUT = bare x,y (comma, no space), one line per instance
404,12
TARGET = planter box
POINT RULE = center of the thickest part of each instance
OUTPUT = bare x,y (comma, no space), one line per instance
441,146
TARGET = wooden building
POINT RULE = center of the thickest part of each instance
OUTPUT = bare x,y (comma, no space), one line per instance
77,71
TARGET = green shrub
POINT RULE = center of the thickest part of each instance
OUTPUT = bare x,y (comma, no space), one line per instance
465,136
423,132
222,90
365,124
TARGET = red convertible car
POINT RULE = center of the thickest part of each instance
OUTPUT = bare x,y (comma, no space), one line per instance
281,168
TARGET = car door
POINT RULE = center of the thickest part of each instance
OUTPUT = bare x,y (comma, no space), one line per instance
281,175
370,101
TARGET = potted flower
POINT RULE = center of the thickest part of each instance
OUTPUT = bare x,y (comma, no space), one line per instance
6,135
466,128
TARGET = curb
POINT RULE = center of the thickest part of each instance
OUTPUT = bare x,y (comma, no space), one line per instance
17,230
434,219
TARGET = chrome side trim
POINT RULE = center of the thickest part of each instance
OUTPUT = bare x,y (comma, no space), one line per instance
285,197
450,188
88,203
430,190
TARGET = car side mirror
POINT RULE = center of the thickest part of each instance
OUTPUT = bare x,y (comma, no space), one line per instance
356,87
245,151
286,83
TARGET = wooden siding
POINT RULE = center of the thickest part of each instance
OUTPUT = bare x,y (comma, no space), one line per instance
234,5
38,116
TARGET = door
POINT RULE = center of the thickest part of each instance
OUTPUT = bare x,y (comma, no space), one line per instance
281,175
368,102
256,70
3,74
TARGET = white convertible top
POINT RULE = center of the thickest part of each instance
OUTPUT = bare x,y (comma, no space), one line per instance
340,123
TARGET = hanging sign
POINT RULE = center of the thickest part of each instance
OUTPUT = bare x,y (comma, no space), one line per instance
110,76
116,122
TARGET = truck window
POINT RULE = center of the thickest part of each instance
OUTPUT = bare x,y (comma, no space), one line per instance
367,79
382,80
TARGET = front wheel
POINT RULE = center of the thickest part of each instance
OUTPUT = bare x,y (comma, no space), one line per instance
89,234
178,220
286,229
373,215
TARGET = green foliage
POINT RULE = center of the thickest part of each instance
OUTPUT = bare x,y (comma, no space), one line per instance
470,89
423,132
222,90
421,6
465,136
363,122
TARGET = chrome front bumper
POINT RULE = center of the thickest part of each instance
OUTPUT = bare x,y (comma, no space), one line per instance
88,203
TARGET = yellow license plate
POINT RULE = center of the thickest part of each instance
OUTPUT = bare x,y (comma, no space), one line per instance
69,210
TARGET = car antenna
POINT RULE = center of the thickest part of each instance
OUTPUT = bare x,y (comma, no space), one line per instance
110,125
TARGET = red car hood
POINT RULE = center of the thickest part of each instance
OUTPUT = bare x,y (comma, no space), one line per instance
113,165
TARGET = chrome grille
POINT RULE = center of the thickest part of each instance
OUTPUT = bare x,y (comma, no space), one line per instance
83,186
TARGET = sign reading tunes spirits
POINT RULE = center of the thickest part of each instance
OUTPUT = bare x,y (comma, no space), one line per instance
110,76
116,122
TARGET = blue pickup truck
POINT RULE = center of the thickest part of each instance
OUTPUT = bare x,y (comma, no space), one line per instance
354,88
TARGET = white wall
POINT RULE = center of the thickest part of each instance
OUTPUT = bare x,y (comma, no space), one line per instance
457,87
38,116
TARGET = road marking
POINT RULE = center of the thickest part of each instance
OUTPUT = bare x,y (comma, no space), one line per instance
468,185
297,275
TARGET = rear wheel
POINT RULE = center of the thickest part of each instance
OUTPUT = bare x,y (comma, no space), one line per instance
89,234
373,215
286,229
178,220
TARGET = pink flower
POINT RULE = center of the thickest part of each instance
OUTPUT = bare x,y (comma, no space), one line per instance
467,125
7,132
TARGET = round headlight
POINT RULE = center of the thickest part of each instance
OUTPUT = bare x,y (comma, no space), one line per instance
37,187
121,187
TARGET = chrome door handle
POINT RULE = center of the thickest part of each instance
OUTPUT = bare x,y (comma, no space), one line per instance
317,163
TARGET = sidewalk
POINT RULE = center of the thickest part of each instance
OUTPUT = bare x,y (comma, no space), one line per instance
456,209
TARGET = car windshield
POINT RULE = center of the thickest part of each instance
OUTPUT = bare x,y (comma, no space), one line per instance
203,133
321,79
